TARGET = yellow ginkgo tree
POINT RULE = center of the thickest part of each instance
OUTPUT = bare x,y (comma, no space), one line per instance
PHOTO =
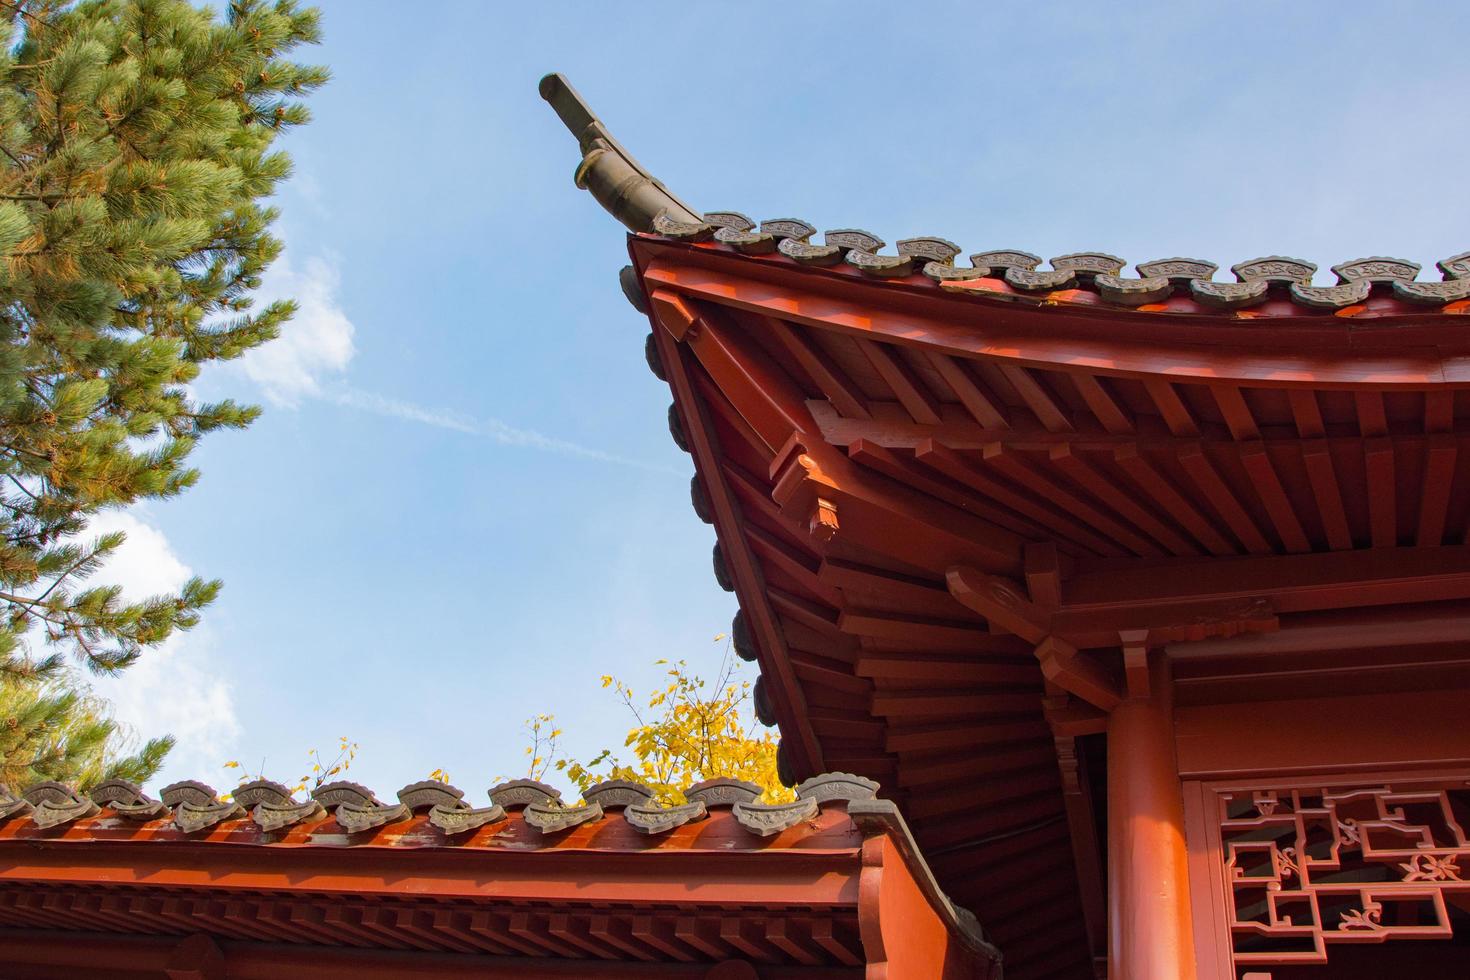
690,729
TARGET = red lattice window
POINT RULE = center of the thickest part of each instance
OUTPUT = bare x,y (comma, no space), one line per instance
1308,869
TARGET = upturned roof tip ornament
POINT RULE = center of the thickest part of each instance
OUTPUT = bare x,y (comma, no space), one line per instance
619,183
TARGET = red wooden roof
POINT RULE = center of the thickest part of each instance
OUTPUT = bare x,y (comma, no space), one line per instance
914,487
955,502
429,886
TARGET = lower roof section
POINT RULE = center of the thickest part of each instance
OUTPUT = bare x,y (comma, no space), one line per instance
830,885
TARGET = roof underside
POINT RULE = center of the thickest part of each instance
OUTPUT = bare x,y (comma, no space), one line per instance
949,497
856,439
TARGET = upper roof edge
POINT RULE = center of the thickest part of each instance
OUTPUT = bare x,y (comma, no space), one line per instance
1174,284
621,184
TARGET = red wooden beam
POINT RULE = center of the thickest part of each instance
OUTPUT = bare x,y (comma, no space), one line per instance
45,954
1293,583
1090,479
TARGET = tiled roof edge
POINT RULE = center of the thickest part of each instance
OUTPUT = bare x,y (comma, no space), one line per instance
1259,279
194,806
637,199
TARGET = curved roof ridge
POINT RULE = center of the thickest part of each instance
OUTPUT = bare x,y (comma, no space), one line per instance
644,205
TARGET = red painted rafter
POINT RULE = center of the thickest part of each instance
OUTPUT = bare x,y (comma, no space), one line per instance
1151,483
1090,479
1110,415
1434,499
916,399
888,463
1382,496
1171,408
845,396
1222,498
1236,412
1268,486
1019,471
1071,533
956,374
1322,473
1048,411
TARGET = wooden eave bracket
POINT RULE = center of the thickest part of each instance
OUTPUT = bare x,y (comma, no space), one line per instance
1073,671
801,487
673,313
1135,662
1003,603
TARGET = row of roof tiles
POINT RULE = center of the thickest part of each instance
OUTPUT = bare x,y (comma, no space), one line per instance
1256,279
193,806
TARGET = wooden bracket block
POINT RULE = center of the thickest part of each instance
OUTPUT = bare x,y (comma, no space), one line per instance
823,524
673,313
1044,574
1000,601
1135,662
1077,674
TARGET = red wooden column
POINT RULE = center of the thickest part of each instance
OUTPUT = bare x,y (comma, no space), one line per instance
1150,935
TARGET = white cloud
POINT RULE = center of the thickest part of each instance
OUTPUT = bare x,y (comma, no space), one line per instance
367,401
181,687
493,429
315,343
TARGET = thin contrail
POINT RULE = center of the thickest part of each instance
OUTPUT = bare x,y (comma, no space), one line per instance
493,429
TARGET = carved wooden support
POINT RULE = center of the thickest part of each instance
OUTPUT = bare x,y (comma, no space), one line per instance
1075,672
1001,601
674,313
1086,855
1044,574
823,525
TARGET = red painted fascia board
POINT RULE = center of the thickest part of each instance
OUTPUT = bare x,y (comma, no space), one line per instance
774,878
1405,351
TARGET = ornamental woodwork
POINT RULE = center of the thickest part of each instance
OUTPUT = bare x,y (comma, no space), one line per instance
1307,870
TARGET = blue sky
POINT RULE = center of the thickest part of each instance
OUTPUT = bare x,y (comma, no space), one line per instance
462,504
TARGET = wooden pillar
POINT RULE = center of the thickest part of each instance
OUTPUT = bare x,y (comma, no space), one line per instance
1150,935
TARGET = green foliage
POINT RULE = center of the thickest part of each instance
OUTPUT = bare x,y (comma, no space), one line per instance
57,729
135,154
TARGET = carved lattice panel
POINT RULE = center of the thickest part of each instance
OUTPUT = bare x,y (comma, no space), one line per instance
1306,869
